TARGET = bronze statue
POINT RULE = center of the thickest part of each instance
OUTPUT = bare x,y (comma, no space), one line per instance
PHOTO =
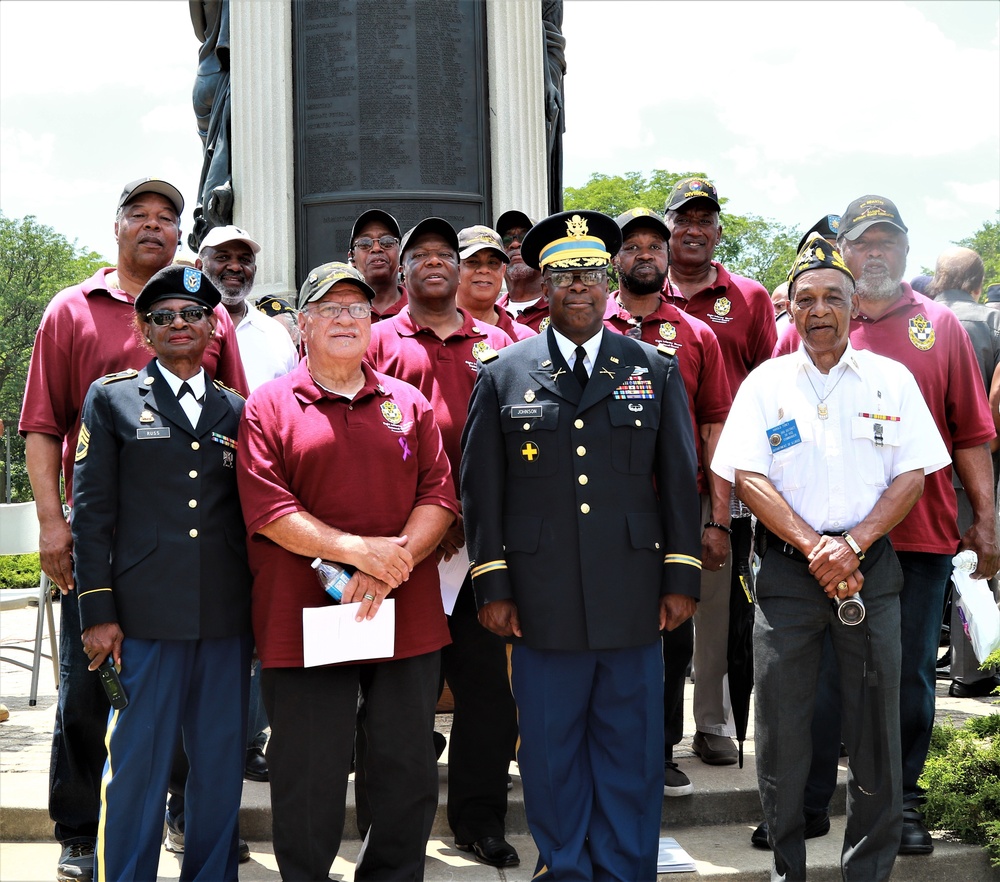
211,98
555,122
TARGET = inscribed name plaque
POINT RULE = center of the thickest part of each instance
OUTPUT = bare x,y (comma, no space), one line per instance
391,110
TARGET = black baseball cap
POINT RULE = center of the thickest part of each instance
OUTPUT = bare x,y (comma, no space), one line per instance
865,212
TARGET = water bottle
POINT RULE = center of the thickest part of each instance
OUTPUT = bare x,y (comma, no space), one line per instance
965,561
333,577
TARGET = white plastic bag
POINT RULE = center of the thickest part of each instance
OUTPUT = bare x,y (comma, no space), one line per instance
977,608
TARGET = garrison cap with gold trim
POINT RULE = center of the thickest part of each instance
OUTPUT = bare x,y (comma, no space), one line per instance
817,254
572,240
325,277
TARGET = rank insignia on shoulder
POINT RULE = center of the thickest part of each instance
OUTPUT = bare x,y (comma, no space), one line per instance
484,352
228,389
665,350
83,443
121,375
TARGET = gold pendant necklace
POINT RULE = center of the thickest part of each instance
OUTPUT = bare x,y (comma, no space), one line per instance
822,411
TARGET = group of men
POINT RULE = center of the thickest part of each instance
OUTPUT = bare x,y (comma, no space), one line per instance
565,441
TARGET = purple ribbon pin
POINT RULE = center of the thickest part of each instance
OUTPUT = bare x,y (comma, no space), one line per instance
406,448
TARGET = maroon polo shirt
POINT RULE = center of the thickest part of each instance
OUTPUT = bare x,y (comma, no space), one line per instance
444,370
699,357
929,339
741,314
392,310
361,466
515,330
533,316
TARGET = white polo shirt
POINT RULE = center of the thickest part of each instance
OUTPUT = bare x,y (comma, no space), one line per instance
266,348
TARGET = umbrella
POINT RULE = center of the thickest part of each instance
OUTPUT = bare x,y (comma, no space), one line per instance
739,643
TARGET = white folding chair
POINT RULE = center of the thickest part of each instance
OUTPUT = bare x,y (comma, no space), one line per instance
19,535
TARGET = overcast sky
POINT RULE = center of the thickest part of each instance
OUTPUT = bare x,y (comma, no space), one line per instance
793,108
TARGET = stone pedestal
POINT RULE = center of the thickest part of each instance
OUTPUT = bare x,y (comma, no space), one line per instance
264,143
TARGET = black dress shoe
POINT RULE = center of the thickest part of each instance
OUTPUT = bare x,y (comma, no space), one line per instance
915,838
256,766
493,850
975,689
244,850
816,825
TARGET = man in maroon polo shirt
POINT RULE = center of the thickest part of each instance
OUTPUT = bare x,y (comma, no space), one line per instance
336,461
524,299
928,338
435,346
374,253
480,277
740,313
639,309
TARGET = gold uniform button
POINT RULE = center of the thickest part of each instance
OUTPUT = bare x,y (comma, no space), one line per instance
581,451
527,426
193,534
638,422
583,479
192,503
656,545
578,424
192,474
195,445
585,508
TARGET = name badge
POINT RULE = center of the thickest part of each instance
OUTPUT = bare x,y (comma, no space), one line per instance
152,432
783,436
523,413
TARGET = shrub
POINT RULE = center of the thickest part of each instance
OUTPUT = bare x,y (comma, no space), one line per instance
962,781
20,571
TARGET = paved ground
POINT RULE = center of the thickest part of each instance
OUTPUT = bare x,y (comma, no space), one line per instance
714,824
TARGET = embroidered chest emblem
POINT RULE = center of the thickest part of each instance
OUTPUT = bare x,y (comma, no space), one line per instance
921,332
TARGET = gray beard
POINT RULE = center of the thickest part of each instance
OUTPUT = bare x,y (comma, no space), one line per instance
230,299
877,286
519,271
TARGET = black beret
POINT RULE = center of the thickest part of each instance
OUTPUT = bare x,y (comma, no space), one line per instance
178,281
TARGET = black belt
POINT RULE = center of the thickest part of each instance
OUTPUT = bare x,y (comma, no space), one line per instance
788,550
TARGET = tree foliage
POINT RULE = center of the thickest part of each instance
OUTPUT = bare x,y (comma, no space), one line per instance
751,246
35,263
986,243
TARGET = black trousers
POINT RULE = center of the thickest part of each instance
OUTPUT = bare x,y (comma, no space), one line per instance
312,713
484,727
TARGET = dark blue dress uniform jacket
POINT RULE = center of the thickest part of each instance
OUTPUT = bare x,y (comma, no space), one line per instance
158,533
581,506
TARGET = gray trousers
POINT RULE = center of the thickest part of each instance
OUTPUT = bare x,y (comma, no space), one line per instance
792,620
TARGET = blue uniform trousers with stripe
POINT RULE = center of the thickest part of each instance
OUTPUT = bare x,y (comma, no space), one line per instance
195,689
591,759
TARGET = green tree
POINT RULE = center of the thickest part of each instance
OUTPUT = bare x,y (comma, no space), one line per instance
35,263
751,246
986,243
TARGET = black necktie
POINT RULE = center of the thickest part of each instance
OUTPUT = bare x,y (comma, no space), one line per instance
579,370
185,389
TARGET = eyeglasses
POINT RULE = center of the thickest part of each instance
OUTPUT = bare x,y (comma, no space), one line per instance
563,279
366,243
190,314
332,310
514,235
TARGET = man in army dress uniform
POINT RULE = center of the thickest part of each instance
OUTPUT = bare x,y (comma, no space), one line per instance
578,486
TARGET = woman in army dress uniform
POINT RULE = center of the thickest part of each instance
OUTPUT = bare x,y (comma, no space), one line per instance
164,585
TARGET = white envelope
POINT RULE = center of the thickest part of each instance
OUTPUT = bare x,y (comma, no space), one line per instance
452,573
330,635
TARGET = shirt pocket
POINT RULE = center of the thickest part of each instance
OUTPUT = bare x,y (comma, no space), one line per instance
530,439
874,458
791,468
634,424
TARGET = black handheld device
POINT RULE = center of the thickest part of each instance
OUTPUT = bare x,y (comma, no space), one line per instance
112,683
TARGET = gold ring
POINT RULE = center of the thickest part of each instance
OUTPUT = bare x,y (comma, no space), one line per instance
372,596
841,586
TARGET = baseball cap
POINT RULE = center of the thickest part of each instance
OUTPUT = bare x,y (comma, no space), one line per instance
220,235
865,212
473,239
511,219
642,217
152,185
323,278
686,190
374,214
430,225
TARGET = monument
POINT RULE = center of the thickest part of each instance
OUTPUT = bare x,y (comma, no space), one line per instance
421,107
